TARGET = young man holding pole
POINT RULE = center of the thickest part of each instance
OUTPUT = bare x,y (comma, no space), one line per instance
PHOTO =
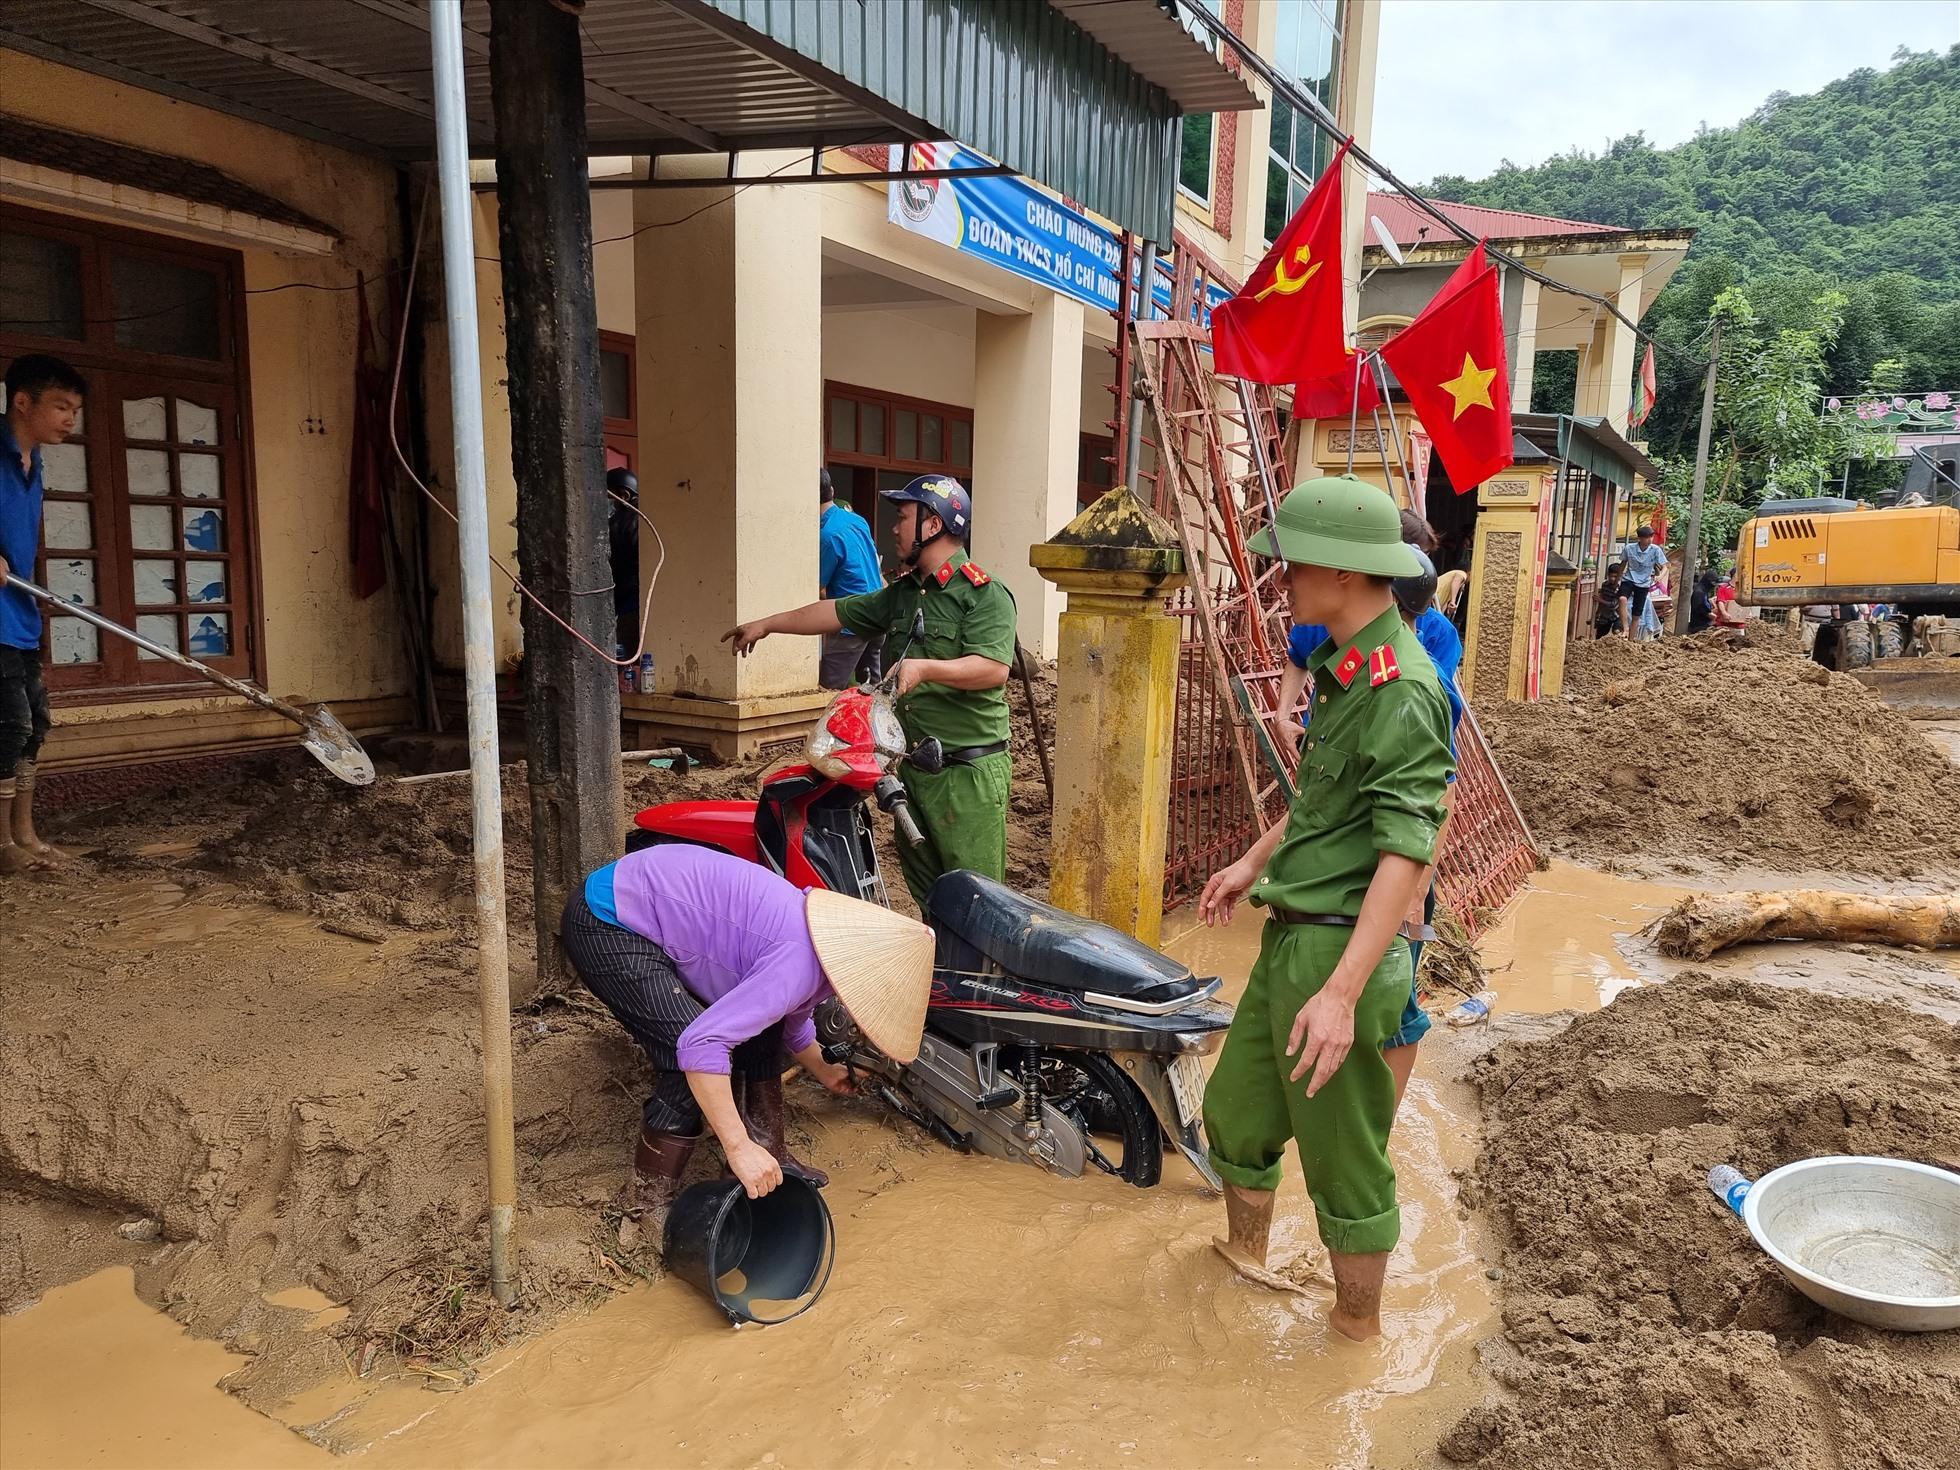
44,403
1304,1057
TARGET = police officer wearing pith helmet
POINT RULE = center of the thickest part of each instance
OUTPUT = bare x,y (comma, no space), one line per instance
1303,1060
952,686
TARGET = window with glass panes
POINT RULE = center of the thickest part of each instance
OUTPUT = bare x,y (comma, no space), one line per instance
892,439
1197,131
146,516
1307,51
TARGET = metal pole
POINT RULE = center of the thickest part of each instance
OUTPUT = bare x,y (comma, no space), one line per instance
479,637
1684,596
1374,363
1146,309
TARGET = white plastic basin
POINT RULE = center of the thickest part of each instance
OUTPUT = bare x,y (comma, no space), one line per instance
1873,1239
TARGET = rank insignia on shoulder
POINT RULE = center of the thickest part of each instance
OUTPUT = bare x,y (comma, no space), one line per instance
1348,667
1382,667
974,575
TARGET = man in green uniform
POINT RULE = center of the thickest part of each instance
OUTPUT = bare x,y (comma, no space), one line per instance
1303,1059
950,686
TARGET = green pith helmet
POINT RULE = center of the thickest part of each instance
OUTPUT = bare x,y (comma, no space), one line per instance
1342,523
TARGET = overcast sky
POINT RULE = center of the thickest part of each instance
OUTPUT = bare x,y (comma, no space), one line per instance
1465,84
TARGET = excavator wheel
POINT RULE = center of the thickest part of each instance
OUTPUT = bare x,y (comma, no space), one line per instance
1854,646
1889,638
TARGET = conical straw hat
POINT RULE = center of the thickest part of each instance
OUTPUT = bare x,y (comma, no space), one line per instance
880,965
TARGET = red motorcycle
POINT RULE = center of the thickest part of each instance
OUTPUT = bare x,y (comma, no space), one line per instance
1050,1039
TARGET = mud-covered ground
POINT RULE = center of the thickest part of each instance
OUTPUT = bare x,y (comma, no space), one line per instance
1642,1327
1723,749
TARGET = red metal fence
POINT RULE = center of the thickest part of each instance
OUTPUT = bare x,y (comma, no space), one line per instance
1216,464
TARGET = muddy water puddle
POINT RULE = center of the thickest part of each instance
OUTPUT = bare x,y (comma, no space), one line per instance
980,1312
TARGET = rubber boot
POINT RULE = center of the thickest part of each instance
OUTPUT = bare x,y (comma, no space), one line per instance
760,1102
23,813
659,1160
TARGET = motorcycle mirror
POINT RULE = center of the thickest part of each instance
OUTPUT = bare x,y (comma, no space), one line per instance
929,756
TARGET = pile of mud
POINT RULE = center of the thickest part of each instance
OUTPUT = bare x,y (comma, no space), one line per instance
398,856
1642,1326
1726,750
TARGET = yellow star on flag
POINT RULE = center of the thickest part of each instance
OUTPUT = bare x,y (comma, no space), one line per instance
1470,388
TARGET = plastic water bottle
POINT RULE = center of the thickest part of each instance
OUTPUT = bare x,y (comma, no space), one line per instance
1730,1185
646,673
625,669
1471,1011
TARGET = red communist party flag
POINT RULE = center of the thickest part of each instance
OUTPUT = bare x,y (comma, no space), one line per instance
1450,362
1350,391
1287,324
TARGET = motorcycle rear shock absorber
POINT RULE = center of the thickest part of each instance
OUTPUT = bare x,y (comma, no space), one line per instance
1031,1093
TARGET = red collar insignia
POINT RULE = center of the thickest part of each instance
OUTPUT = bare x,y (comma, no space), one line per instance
1348,667
1382,667
943,575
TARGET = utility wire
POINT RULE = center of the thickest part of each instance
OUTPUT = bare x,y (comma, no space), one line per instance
1316,112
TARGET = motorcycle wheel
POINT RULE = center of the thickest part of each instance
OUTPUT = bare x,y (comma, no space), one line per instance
1111,1110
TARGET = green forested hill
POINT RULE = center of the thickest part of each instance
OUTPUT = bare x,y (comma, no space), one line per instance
1855,187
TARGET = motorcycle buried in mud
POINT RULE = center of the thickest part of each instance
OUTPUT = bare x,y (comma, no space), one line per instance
1050,1039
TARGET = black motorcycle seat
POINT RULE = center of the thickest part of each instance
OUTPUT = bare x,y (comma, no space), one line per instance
1046,945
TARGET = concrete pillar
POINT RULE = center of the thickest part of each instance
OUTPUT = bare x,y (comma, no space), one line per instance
1527,349
1621,343
1027,413
1589,396
730,391
1116,696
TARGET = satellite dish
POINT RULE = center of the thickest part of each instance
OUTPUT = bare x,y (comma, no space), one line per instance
1387,240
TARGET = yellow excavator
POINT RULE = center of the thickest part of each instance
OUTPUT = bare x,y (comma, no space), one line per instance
1839,558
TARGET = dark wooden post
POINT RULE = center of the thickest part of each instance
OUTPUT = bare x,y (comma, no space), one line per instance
571,697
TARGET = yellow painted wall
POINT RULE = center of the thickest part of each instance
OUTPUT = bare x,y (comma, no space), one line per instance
320,642
922,352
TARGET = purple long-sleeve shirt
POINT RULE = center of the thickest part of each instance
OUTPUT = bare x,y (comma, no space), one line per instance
737,934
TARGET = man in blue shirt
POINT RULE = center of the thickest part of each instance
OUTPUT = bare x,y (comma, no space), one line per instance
44,402
847,564
1643,559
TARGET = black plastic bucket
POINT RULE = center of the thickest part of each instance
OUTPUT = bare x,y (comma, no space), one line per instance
782,1244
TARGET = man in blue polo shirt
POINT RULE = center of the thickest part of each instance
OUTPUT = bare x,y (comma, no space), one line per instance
847,564
44,402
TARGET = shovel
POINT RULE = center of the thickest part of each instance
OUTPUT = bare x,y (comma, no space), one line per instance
325,736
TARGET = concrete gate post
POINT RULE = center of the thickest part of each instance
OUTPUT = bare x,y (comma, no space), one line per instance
1116,562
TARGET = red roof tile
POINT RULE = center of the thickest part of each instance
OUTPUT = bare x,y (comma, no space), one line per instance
1406,223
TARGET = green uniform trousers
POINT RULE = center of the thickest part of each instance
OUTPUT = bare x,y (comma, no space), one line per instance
1251,1109
963,812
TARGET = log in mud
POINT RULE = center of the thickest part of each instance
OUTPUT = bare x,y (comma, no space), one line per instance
1701,925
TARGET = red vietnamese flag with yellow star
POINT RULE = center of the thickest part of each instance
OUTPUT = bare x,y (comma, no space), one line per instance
1287,324
1450,363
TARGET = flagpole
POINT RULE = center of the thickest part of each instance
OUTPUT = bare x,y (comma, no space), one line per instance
1684,597
1401,460
1354,416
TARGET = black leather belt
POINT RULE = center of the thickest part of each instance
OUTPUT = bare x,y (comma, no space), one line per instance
974,753
1414,933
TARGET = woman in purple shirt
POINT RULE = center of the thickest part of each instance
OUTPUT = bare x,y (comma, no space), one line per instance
715,965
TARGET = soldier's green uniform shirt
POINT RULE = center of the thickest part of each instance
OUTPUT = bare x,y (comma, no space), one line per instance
962,809
1372,775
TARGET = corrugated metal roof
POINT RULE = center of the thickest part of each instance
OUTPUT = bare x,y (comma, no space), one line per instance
1082,95
1410,226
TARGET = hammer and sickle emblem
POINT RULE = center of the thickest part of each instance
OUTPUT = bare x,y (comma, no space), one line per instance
1283,283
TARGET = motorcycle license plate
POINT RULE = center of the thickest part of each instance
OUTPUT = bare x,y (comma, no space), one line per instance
1188,1087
